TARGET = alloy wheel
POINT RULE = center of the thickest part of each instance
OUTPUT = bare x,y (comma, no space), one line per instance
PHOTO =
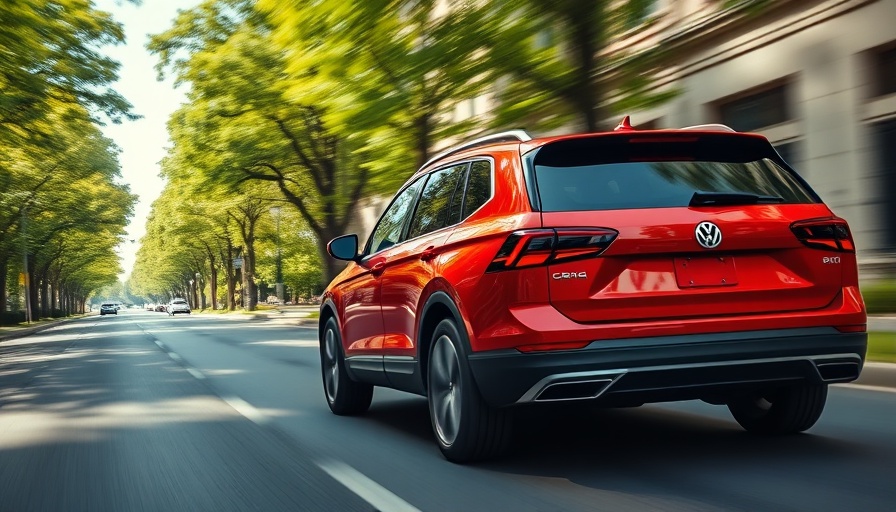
445,391
331,365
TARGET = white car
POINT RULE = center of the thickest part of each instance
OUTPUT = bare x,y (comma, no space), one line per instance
178,306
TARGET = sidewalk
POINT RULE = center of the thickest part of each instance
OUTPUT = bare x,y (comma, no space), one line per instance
19,331
882,323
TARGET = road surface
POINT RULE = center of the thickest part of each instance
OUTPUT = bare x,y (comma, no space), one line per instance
142,411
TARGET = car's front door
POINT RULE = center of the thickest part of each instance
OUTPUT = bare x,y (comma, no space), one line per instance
363,329
409,267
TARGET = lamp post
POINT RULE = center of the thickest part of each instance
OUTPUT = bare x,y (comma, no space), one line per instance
275,211
193,294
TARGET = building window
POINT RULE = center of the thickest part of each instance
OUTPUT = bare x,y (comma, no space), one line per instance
757,110
640,13
884,134
883,70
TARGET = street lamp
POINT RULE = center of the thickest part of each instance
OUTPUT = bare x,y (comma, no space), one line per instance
275,211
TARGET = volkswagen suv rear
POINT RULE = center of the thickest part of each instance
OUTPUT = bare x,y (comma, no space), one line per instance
615,268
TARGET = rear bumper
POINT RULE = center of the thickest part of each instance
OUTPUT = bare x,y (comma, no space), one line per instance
708,366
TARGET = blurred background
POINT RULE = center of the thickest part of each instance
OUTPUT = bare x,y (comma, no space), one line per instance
299,120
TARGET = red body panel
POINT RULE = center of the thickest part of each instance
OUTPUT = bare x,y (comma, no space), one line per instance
633,289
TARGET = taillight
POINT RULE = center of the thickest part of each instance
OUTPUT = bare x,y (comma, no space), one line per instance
829,233
534,247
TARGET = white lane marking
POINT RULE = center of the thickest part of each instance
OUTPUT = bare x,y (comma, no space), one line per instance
865,387
196,373
175,356
246,409
370,491
160,344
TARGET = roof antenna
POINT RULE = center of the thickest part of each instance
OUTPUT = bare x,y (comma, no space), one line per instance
625,125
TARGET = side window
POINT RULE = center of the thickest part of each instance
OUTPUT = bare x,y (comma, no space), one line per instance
434,208
388,230
479,187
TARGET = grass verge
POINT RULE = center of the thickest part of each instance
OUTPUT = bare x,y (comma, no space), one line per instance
882,347
880,296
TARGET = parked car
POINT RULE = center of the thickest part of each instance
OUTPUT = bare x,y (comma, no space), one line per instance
161,308
615,268
178,306
108,309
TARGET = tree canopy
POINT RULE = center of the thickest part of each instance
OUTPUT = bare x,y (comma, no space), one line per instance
62,206
318,105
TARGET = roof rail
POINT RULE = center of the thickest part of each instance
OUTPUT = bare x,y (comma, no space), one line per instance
509,136
713,127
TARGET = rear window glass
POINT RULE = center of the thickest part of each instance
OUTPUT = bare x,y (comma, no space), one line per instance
615,174
659,184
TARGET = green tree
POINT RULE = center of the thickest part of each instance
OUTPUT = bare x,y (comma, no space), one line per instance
394,68
240,125
559,62
51,53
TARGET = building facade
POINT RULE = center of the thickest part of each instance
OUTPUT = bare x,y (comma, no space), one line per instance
818,78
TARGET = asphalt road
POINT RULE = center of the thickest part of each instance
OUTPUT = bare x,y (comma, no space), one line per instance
147,412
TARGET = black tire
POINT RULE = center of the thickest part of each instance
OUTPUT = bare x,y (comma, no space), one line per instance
466,428
783,410
344,396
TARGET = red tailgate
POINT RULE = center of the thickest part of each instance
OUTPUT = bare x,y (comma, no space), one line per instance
656,269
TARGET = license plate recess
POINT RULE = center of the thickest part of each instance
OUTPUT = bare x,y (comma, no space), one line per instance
703,271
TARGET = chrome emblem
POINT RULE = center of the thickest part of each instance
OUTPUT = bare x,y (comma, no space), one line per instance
570,275
708,235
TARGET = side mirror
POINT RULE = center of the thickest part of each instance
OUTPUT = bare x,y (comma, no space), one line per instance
344,247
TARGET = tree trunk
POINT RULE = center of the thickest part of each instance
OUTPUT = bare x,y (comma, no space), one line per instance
4,261
32,290
422,127
45,310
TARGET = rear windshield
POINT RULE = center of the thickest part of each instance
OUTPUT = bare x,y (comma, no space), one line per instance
575,177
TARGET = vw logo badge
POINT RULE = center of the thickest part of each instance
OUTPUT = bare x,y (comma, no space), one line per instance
708,235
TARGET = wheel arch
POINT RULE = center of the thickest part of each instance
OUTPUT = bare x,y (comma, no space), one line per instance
327,311
439,306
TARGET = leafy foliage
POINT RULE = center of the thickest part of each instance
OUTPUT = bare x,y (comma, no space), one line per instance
60,199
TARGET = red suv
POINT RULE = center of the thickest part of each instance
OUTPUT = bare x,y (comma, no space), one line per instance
614,268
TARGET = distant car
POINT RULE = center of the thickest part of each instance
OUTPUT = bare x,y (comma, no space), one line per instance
108,309
160,308
178,306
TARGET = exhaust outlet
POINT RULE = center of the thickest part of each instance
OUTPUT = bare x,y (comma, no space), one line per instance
578,390
840,371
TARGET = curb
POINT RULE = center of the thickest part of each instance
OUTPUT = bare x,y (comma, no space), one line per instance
28,331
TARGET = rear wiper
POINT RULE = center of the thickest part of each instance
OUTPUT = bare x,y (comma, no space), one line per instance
730,198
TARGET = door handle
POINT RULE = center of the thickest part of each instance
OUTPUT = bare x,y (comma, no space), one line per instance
429,253
378,267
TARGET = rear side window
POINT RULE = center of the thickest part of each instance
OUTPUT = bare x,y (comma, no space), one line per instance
669,176
442,189
479,187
